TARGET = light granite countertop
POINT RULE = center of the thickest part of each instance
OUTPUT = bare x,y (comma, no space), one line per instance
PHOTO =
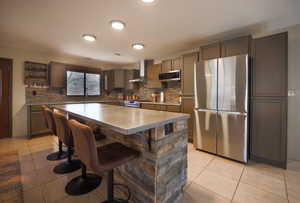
124,120
99,101
162,103
71,102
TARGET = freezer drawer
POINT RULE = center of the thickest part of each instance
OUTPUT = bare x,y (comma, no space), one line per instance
205,130
206,84
233,84
232,135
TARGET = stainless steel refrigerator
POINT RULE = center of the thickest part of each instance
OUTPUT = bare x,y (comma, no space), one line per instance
221,107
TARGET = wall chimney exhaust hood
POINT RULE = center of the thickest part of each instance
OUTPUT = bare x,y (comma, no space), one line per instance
143,65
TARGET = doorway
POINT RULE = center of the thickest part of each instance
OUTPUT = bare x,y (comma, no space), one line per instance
5,97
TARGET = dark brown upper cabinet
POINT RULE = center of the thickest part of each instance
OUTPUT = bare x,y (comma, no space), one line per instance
57,75
130,75
177,63
58,72
116,79
166,66
237,46
268,130
187,106
153,71
189,61
210,51
269,73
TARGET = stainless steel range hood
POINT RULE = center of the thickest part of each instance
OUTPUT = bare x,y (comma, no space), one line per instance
143,66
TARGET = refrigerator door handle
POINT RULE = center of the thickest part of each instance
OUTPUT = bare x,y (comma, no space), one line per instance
206,110
233,113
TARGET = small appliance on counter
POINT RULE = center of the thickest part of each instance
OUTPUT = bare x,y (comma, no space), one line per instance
162,97
134,104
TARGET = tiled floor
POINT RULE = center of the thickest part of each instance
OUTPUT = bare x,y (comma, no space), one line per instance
210,178
213,179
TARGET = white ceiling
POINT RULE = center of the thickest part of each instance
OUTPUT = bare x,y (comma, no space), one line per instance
168,27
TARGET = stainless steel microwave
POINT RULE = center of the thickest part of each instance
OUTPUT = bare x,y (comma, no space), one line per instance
170,76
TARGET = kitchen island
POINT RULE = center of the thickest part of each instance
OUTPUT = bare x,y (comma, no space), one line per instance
160,173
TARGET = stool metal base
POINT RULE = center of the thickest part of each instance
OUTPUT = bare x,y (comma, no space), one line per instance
57,156
82,185
67,167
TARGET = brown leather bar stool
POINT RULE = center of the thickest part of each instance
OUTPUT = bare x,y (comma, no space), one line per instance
64,134
101,159
51,125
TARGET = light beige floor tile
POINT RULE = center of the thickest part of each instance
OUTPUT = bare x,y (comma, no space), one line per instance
196,194
250,194
226,168
261,180
292,177
219,184
55,191
43,154
25,157
30,181
33,196
193,173
27,167
42,162
47,175
293,166
198,160
266,170
41,148
81,199
293,185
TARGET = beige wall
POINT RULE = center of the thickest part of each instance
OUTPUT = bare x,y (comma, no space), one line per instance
294,102
19,56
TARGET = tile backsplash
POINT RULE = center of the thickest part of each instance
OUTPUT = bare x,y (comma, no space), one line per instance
39,95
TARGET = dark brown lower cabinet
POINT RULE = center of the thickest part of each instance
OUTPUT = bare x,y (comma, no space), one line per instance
187,106
172,108
162,107
269,130
151,107
36,121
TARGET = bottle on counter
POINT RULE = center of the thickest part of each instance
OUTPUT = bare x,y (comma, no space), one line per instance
162,97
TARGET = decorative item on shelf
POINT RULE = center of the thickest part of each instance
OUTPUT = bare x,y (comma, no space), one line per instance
36,74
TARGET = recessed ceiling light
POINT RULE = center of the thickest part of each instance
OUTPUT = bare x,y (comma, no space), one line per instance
117,24
89,37
138,46
148,1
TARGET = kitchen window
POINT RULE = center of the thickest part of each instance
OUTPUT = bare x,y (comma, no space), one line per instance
83,84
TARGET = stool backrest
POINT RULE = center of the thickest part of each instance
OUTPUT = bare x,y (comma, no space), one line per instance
85,143
63,130
49,119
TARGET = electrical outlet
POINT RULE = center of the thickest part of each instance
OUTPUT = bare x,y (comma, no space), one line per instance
292,92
